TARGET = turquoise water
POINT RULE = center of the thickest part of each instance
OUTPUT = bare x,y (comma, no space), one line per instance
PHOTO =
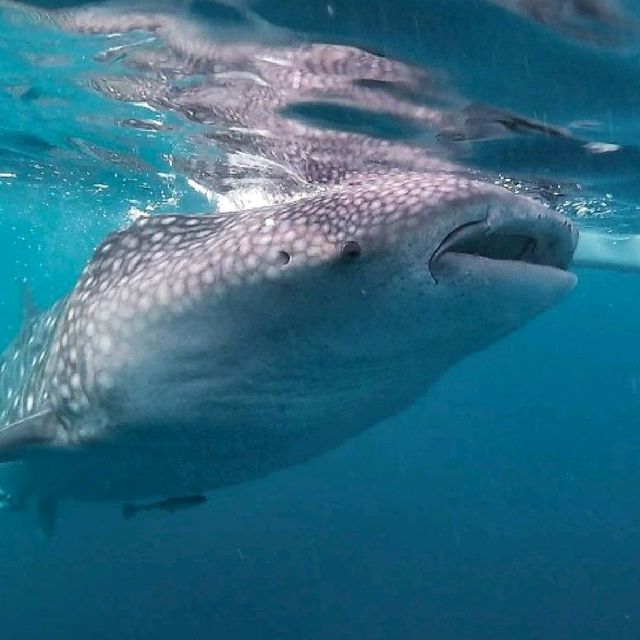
503,505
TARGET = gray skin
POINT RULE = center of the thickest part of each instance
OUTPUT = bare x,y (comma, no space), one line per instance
201,351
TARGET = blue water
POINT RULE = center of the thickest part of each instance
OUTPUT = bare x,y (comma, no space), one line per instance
504,505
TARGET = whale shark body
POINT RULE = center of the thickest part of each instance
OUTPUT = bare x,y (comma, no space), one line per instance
197,352
200,351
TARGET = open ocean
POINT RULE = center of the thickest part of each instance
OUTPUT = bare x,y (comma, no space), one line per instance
505,504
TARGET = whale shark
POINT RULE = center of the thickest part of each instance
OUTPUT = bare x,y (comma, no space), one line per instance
199,351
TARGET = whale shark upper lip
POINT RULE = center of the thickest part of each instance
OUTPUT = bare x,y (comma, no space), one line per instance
535,235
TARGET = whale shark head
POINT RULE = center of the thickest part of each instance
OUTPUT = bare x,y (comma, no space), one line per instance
314,304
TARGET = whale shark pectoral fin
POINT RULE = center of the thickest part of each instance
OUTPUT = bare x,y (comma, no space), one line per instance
19,438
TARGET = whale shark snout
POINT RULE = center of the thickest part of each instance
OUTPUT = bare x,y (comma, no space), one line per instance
518,244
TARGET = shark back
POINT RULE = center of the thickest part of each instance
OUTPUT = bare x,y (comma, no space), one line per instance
23,380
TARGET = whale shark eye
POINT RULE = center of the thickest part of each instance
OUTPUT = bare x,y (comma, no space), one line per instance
350,250
283,257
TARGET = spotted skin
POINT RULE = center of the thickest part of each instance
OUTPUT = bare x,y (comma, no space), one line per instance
23,387
166,265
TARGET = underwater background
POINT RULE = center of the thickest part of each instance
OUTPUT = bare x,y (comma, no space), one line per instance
505,503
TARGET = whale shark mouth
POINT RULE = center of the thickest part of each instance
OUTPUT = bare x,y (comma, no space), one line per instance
535,236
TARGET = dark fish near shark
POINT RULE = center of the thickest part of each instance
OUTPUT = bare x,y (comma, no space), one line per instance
201,351
170,505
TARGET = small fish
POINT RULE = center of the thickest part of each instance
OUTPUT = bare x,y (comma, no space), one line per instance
170,505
